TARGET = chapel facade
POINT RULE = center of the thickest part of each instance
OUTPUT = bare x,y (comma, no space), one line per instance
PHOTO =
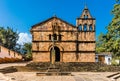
71,43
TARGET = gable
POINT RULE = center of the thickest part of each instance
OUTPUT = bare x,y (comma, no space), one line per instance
53,22
86,14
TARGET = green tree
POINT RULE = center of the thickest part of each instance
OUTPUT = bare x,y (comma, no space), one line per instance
100,44
28,48
8,37
111,40
113,34
2,30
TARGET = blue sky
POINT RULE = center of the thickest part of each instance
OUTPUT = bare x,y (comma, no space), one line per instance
22,14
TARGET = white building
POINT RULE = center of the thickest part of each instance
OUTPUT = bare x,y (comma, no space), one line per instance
105,57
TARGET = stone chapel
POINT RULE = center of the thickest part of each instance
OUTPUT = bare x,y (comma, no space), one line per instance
71,43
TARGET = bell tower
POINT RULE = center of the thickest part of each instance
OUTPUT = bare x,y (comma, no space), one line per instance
86,22
86,34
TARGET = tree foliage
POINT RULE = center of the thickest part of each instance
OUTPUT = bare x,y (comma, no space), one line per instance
28,48
100,43
110,42
8,37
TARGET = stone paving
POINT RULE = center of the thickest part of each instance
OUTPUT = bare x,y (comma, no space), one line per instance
76,76
91,76
79,76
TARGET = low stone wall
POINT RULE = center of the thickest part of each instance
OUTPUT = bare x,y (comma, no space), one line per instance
76,67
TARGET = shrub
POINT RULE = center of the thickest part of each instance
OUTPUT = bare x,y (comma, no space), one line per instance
114,62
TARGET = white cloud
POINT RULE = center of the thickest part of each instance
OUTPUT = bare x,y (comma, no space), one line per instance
24,38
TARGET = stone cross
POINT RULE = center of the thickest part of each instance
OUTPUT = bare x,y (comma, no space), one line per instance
53,52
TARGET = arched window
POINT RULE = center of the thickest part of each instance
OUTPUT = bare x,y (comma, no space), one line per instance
55,36
85,27
90,28
80,27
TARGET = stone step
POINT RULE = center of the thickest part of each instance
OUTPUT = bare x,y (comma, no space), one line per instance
53,70
53,74
114,76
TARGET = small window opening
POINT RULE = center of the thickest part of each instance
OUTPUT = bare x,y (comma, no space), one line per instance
85,16
49,36
55,36
109,59
60,37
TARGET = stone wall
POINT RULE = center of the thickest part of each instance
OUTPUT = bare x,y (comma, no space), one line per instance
81,57
41,57
4,52
65,57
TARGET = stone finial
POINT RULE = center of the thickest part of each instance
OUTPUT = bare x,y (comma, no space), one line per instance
86,6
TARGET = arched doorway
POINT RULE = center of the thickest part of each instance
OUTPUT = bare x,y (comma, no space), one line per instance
57,54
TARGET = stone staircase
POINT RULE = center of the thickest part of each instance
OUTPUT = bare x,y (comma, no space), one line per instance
114,76
53,70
